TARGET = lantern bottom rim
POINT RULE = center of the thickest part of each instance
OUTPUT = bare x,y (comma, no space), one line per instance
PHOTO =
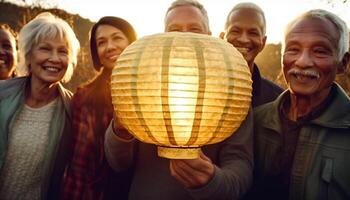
178,152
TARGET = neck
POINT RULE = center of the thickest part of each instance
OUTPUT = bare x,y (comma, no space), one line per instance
251,67
301,105
40,94
106,72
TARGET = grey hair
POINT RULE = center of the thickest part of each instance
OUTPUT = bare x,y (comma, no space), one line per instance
47,26
193,3
247,5
341,27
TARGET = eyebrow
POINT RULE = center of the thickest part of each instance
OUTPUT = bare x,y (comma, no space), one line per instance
113,34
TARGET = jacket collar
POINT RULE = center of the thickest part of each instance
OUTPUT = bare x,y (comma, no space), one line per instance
66,96
336,116
338,113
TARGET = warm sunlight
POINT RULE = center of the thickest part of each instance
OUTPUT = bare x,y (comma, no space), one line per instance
147,16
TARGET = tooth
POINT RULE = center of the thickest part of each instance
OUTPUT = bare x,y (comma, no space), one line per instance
52,69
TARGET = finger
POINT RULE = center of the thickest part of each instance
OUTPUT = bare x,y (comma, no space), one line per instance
194,176
204,157
174,171
199,165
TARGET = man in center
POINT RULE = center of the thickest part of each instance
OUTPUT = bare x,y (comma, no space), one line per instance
223,171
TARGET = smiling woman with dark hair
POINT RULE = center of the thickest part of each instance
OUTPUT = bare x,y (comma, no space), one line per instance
88,175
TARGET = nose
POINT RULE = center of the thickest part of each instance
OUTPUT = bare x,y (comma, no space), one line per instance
54,57
110,45
243,38
304,60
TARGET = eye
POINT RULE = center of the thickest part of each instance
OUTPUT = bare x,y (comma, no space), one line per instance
254,33
196,30
7,46
101,42
117,38
234,32
44,48
322,51
63,51
291,50
174,29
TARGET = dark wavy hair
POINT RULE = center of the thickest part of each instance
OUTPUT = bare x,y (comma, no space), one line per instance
116,22
9,29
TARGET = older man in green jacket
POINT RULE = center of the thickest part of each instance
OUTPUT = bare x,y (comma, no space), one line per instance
302,139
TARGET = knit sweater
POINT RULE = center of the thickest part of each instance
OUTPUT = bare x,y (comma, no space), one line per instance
20,177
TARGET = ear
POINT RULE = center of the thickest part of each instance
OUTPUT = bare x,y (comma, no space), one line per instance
344,63
222,35
263,42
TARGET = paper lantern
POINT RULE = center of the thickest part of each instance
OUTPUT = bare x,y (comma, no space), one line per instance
180,91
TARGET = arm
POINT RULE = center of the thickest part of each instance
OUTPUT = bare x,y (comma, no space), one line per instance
119,148
231,177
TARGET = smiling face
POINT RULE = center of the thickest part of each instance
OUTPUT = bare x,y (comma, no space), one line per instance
110,43
245,32
310,60
49,60
186,19
8,54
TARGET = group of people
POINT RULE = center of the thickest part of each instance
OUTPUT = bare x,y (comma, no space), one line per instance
293,144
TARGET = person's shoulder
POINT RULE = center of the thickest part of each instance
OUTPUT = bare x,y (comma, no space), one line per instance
11,86
264,111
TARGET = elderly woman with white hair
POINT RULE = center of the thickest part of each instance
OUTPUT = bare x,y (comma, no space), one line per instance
35,111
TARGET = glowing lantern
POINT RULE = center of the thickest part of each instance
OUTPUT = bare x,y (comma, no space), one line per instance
180,91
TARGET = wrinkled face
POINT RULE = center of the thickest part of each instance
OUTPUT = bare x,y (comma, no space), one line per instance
110,43
186,19
310,60
49,60
8,54
245,32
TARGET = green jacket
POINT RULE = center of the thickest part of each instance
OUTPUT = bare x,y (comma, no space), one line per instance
11,102
321,167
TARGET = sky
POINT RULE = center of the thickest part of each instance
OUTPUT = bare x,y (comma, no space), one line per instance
147,16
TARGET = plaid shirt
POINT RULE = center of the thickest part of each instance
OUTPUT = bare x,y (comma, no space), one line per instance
88,172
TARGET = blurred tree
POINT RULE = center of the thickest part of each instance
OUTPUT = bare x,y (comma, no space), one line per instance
41,3
269,62
334,3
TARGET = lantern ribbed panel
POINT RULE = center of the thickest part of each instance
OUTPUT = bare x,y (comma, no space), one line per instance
181,89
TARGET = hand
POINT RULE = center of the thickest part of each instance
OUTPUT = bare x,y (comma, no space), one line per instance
119,130
192,173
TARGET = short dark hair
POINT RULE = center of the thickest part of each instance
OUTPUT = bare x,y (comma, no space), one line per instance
193,3
116,22
247,5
